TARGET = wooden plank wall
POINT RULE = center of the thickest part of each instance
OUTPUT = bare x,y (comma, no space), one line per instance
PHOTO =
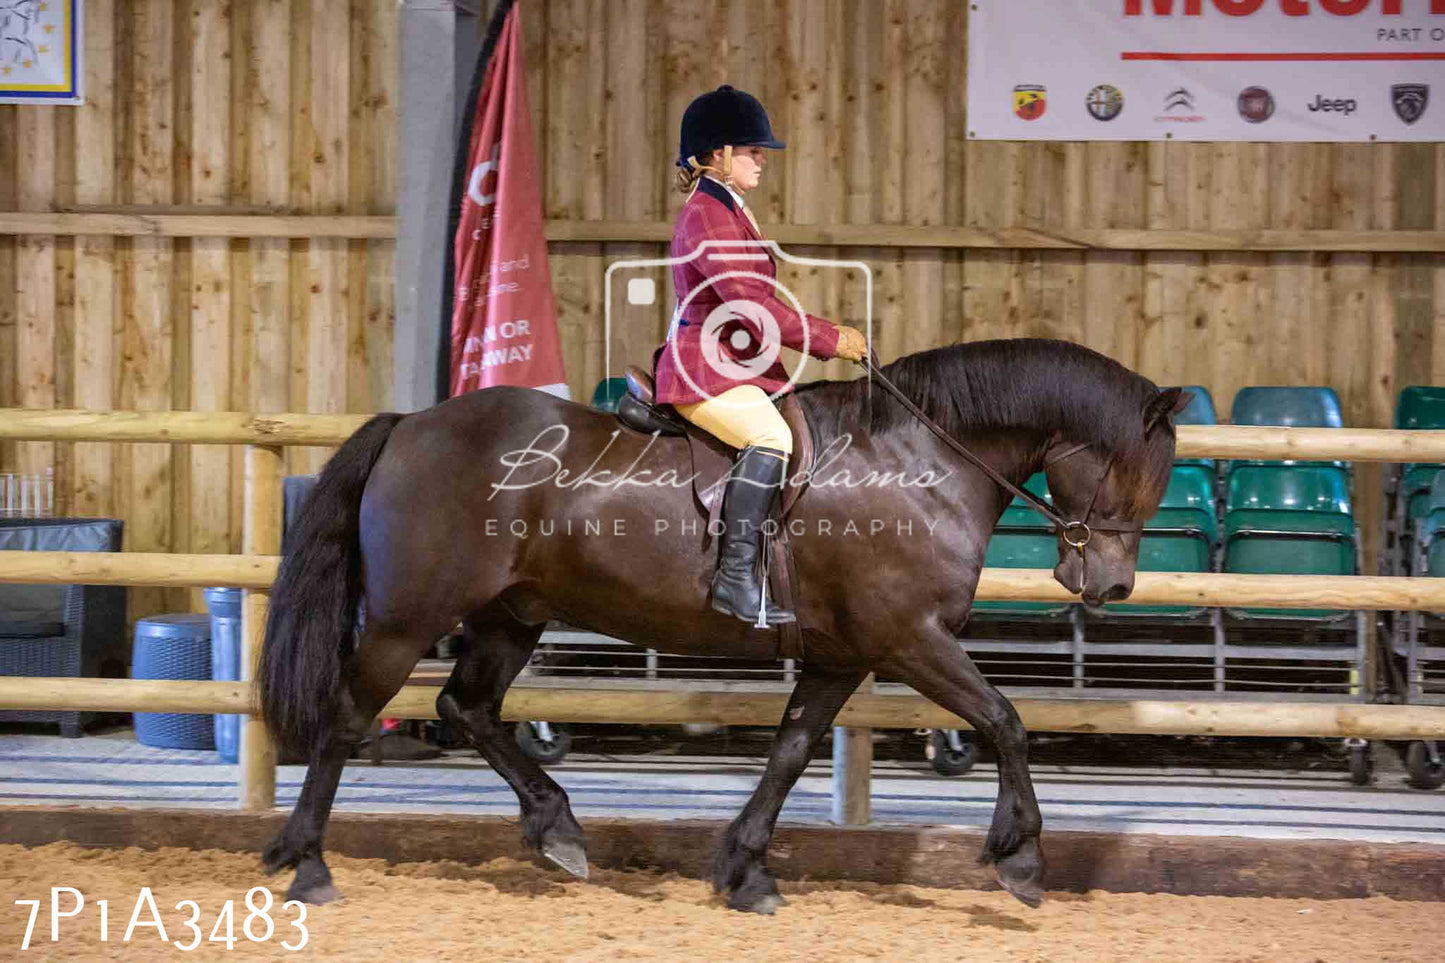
290,105
870,99
200,105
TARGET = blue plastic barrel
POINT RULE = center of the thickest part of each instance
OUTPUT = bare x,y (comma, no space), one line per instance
173,647
224,605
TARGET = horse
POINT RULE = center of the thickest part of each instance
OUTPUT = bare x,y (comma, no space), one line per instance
473,513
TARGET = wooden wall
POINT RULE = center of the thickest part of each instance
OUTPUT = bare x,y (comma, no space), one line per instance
291,105
870,99
205,105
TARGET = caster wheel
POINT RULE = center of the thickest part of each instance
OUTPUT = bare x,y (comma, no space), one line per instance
946,760
1362,765
546,751
1423,773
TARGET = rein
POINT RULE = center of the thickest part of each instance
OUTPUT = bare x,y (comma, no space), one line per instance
1080,528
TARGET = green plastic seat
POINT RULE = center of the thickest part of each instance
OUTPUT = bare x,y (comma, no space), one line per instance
1023,539
1191,488
1274,542
1300,488
608,392
1037,484
1420,407
1179,538
1435,557
1312,407
1185,547
1435,498
1288,407
1200,411
1418,478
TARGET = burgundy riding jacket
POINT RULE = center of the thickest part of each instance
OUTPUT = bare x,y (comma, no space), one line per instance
734,336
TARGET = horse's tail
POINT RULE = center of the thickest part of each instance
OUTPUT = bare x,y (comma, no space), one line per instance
311,626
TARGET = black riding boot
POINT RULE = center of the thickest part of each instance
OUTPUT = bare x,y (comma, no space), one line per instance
737,586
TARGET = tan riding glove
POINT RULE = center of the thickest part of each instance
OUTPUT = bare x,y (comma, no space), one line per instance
852,346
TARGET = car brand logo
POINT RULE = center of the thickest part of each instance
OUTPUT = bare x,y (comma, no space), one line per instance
1104,102
1338,105
1030,101
1178,99
1179,108
1256,104
1410,101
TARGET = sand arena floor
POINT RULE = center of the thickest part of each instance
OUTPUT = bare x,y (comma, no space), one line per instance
510,910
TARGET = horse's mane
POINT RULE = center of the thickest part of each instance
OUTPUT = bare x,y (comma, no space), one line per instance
1020,385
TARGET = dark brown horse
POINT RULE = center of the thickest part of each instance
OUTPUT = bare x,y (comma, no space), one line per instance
505,508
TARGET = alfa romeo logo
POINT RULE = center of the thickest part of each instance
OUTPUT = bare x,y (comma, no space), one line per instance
1104,102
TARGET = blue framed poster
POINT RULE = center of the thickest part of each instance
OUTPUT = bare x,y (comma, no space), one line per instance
41,51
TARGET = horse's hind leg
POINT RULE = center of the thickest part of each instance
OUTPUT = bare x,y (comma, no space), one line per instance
740,869
495,648
372,675
941,671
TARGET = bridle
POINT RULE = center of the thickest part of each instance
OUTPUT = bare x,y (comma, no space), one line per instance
1077,533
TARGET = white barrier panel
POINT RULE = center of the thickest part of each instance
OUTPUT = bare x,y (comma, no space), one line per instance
1222,70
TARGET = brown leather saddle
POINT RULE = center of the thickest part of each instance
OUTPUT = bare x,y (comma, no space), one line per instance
711,459
639,410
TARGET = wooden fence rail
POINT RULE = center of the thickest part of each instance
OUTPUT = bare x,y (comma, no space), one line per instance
734,706
143,221
239,428
1214,589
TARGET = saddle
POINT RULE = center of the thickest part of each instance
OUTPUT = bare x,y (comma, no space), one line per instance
712,460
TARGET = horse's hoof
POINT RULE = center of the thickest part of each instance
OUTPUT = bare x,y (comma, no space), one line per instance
1029,893
570,856
765,905
315,895
1022,873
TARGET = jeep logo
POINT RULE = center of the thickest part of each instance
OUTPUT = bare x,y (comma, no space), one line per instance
1346,107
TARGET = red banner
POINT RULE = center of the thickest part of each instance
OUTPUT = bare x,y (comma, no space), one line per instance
504,320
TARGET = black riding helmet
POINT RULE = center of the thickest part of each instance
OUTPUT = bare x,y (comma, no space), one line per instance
721,117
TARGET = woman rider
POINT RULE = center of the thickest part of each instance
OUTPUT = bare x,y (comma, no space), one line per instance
714,368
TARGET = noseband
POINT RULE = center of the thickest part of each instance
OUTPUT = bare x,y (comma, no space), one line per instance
1076,533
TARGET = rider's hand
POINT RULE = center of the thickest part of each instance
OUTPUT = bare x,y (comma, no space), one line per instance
852,346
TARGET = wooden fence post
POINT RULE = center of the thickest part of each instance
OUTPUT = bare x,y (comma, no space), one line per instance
261,535
853,771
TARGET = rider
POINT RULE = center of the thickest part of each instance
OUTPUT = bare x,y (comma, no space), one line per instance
711,367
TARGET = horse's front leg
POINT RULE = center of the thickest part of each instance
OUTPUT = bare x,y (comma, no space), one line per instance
740,869
938,667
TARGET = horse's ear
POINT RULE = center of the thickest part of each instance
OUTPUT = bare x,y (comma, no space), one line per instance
1165,405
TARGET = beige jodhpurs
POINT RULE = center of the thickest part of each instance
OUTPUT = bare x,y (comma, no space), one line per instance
741,417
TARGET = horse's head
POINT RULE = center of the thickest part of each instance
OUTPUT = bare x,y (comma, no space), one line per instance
1102,489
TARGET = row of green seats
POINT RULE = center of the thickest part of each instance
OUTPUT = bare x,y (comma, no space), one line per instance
1432,528
1279,517
1419,407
